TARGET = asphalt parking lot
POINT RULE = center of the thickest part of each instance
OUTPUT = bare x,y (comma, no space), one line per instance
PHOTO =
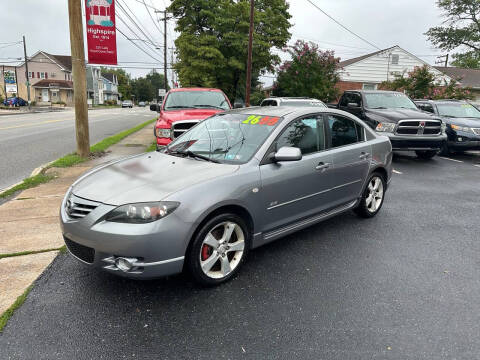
404,285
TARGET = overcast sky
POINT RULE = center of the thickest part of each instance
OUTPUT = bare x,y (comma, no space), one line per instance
382,22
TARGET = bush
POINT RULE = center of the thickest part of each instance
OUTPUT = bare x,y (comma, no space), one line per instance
110,102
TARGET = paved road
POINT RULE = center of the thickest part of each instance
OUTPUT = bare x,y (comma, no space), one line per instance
404,285
30,140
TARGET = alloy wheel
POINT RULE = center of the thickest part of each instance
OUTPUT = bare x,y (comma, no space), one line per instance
222,250
375,194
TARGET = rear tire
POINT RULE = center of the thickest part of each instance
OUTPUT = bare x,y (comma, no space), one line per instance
219,249
373,196
426,154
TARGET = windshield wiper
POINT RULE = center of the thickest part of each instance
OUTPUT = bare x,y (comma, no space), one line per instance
379,107
209,106
191,154
179,107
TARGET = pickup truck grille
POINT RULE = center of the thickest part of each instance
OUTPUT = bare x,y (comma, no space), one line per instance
78,208
419,127
179,127
476,131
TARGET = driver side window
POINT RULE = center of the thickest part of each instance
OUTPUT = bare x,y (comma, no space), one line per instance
307,134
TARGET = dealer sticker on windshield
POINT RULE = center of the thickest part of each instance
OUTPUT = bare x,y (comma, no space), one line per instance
261,120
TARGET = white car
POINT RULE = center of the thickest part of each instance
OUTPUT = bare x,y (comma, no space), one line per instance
127,103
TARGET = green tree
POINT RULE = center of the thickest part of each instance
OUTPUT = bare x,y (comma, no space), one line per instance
157,80
422,84
213,41
143,89
311,72
124,81
461,30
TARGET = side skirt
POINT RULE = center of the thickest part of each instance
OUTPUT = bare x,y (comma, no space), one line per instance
260,240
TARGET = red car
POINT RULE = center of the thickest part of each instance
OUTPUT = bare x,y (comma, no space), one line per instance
183,108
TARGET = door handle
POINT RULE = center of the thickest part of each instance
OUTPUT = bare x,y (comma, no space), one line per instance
364,155
322,166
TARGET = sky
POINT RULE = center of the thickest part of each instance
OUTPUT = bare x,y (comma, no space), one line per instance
384,23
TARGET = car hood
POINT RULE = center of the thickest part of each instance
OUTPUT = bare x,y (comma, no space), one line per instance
395,115
148,177
469,122
188,114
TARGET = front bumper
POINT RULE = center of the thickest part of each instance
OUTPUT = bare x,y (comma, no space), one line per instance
163,141
461,140
157,248
408,143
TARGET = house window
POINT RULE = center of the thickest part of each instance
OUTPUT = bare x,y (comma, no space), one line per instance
395,58
366,86
42,75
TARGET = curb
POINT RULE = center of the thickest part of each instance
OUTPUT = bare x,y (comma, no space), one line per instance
35,172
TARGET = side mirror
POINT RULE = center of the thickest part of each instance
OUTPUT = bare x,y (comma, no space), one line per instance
238,105
155,107
288,153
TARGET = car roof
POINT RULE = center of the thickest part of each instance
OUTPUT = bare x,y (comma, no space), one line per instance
291,98
375,91
194,89
283,110
445,101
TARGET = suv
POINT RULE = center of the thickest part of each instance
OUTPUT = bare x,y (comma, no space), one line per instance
183,108
292,101
462,121
395,115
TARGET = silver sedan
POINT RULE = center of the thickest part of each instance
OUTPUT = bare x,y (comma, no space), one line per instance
234,182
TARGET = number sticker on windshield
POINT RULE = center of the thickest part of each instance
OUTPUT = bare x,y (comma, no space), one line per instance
261,120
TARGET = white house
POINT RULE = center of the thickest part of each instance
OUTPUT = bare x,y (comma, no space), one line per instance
368,71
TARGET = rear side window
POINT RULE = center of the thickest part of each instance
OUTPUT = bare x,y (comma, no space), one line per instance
344,131
426,107
269,103
307,134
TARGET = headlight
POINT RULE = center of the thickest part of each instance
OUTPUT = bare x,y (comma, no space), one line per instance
444,126
163,133
460,128
386,127
141,213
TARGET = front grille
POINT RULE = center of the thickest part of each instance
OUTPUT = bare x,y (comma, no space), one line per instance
82,252
180,127
419,127
78,208
476,131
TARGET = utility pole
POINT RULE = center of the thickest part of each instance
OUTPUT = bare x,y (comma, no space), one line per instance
165,18
79,77
249,60
440,62
4,82
26,72
172,49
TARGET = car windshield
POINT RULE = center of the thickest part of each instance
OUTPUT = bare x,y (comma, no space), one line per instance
225,138
388,100
458,110
304,103
196,99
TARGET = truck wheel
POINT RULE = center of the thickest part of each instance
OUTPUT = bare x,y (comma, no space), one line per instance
426,154
372,198
218,250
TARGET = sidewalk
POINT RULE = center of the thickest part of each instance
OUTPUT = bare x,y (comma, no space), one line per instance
29,222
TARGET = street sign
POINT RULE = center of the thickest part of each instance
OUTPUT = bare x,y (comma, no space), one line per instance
162,92
11,88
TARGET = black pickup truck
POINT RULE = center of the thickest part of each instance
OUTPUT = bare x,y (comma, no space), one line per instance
395,115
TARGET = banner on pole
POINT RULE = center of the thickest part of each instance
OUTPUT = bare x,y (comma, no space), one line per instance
101,32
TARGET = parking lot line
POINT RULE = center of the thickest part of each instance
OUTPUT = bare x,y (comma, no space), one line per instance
397,172
445,158
476,165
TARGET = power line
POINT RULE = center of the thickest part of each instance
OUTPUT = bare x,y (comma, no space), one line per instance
126,37
150,6
145,33
343,26
11,44
328,43
151,17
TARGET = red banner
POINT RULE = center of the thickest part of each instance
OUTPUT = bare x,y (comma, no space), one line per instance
101,33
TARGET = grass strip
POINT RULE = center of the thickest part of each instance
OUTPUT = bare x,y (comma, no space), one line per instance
9,312
61,249
27,184
152,147
73,159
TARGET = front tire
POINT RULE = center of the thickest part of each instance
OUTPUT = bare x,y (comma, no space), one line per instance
372,198
426,154
218,250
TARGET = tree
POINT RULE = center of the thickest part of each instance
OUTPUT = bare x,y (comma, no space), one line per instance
124,81
469,60
461,30
212,46
311,72
420,83
143,89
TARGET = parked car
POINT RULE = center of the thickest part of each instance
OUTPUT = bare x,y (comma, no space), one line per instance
141,104
14,101
183,108
292,101
234,182
462,123
127,103
395,115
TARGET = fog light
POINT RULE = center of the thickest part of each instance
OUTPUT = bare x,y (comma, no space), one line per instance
125,264
460,139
